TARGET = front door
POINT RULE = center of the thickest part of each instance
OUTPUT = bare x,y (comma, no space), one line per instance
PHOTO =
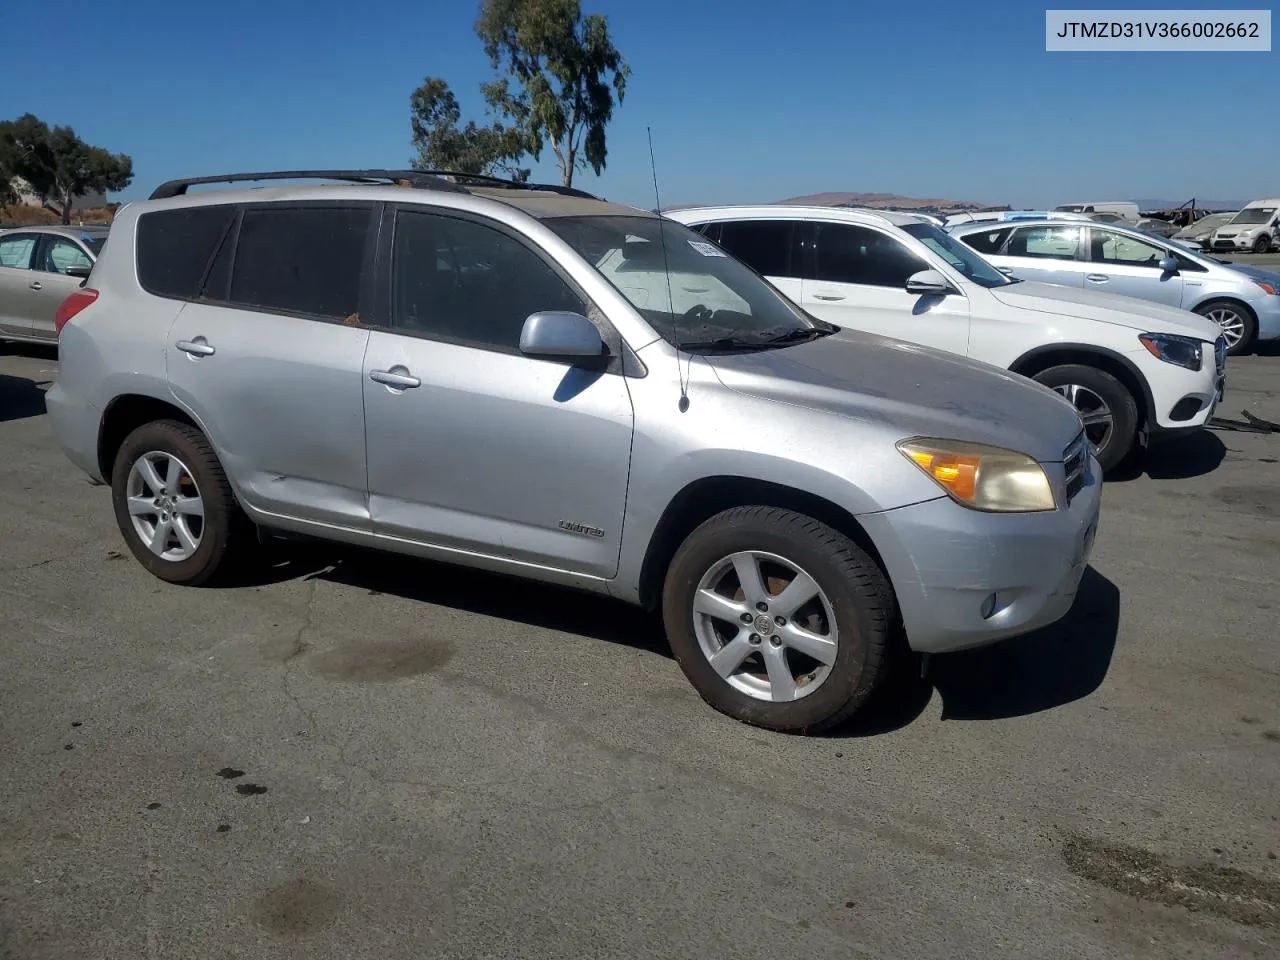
1123,264
54,257
270,359
473,446
18,285
856,277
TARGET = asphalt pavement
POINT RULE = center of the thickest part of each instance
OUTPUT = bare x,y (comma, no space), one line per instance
367,757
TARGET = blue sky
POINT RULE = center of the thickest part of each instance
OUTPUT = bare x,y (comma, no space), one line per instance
748,100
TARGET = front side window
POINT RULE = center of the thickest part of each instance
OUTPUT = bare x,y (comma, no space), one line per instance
688,289
60,255
763,245
462,281
1046,243
15,251
844,253
1120,248
959,257
304,260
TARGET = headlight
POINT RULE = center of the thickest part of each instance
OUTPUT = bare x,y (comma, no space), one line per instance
1184,351
982,477
1269,287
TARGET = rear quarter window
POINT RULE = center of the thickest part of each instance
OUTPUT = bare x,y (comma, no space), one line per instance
175,248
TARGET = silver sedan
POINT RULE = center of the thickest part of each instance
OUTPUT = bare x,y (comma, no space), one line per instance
39,268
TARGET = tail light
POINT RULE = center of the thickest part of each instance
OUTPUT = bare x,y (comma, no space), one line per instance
73,305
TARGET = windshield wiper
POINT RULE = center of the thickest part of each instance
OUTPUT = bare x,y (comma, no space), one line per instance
799,335
725,344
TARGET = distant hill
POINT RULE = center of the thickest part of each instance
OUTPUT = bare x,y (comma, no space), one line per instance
885,201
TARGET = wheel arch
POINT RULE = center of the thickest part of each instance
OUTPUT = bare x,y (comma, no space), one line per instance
705,497
1039,359
127,412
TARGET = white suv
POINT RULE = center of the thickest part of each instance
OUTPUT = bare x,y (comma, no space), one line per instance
1133,369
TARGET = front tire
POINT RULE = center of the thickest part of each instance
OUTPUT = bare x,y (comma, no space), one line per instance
778,620
1237,323
1262,245
173,504
1108,409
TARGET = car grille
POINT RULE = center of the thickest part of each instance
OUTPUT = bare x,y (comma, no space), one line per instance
1075,462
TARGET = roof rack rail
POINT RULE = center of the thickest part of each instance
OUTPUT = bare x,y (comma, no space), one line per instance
423,179
484,179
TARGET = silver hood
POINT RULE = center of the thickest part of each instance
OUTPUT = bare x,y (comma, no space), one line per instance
910,389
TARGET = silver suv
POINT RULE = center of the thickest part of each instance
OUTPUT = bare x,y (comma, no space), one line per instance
534,381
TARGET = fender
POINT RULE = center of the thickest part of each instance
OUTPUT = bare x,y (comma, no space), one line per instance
1031,360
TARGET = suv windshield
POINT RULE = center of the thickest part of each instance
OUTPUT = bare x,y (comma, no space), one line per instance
693,291
959,256
1254,215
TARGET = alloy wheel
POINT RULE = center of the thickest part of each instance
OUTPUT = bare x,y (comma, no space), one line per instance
165,506
765,626
1231,322
1099,421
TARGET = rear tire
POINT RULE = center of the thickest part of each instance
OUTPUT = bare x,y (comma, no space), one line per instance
184,526
1237,322
835,652
1109,410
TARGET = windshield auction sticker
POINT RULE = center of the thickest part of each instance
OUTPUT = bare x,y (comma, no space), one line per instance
1122,31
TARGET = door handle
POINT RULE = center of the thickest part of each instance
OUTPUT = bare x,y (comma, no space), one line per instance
1096,277
400,381
199,347
36,285
828,296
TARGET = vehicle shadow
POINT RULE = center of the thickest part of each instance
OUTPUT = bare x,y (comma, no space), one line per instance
1192,456
475,591
1040,671
20,398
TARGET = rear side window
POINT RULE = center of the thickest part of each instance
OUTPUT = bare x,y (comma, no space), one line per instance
301,259
763,245
987,241
175,247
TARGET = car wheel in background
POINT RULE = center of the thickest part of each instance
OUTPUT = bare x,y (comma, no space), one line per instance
1262,244
174,505
1237,323
778,620
1108,409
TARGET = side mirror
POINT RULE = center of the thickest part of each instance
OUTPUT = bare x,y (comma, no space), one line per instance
560,335
1169,264
1007,271
81,272
928,283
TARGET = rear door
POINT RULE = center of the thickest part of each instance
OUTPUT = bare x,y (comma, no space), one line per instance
17,293
55,255
769,247
856,276
269,354
1049,254
1125,265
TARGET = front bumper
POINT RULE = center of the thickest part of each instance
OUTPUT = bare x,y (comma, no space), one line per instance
1267,311
1182,400
946,561
1235,244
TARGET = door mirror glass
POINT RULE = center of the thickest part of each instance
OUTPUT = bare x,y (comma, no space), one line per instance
558,334
80,271
1169,264
928,283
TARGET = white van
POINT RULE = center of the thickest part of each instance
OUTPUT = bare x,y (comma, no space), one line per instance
1253,229
1125,209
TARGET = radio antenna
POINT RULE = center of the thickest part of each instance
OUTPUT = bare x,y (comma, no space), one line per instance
666,269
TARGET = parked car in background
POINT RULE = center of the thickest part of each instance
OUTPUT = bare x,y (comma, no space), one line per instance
1253,229
1241,299
1007,215
1123,208
530,380
39,268
1197,236
1154,226
1131,369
